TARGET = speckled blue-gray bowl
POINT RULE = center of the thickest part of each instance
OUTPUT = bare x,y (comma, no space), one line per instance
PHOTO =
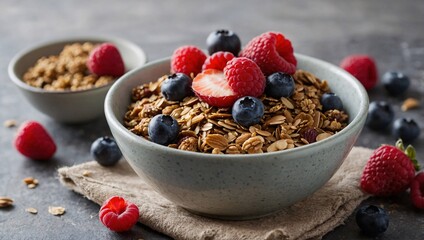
237,186
69,106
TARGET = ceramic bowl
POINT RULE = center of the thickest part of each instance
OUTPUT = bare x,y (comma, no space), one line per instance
69,106
237,186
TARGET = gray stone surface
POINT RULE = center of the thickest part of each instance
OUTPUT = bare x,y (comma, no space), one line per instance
389,30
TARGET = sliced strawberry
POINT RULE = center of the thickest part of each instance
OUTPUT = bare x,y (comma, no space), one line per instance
212,87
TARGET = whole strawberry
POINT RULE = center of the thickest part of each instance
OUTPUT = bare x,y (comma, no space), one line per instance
362,67
389,170
33,141
105,59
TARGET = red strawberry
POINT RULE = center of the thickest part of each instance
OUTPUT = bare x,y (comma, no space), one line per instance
272,52
389,171
118,215
212,87
188,60
33,141
245,77
217,60
417,191
105,59
362,67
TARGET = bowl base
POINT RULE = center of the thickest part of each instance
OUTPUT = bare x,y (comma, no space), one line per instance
232,217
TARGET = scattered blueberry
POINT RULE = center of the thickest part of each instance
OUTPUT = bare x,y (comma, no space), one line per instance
406,129
223,40
380,115
331,101
279,85
105,151
163,129
248,111
176,87
372,220
395,83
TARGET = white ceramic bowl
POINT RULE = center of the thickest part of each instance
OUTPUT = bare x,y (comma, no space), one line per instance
69,106
237,186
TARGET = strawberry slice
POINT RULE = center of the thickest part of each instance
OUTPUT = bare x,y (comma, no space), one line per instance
212,87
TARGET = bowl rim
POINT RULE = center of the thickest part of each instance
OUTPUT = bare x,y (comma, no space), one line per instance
357,120
66,40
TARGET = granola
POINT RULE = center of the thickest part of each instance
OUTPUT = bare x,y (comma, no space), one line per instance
66,71
287,122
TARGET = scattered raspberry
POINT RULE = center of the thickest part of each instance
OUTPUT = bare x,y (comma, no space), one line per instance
389,171
188,60
106,60
212,87
245,77
272,52
217,60
362,67
33,141
417,191
118,215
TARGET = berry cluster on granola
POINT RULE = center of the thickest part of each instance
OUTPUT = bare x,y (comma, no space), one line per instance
252,102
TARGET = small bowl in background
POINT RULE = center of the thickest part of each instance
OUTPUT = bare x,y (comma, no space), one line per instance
69,106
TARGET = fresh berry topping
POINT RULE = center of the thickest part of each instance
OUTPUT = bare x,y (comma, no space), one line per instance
163,129
248,111
105,59
363,68
395,83
331,101
176,87
389,171
33,141
118,215
372,220
188,60
279,85
105,151
272,52
245,77
223,40
217,61
406,129
417,191
309,134
380,115
212,87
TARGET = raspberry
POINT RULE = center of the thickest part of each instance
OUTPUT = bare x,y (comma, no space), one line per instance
363,68
389,171
118,215
33,141
105,59
188,60
272,52
417,191
217,61
244,77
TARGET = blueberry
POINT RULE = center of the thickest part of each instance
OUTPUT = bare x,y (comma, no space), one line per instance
279,85
395,83
248,111
105,151
163,129
406,129
331,101
380,115
372,220
223,40
176,87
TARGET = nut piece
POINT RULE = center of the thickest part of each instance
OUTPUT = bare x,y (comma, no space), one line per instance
57,211
10,123
410,103
31,182
216,141
31,210
5,202
323,136
253,144
87,173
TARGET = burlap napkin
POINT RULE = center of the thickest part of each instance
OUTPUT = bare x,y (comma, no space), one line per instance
309,219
